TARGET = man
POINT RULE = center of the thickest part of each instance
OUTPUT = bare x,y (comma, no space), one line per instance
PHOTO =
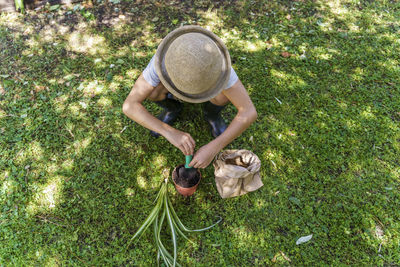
193,65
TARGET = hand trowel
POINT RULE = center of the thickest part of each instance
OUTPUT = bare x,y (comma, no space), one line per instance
187,172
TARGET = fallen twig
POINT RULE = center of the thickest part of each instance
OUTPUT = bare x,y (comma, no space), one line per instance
44,219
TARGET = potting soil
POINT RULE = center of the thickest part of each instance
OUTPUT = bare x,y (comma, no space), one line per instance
187,177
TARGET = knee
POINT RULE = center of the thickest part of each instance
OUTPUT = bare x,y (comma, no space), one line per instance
157,96
220,100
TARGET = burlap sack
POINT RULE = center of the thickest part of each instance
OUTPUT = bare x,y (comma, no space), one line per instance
237,172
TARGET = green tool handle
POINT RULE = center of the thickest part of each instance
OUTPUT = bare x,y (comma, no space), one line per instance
188,160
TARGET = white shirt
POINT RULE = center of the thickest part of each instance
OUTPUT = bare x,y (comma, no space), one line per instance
151,76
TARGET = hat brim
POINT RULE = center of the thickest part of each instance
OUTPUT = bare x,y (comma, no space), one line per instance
178,92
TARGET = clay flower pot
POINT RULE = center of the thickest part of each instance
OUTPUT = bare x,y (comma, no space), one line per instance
184,187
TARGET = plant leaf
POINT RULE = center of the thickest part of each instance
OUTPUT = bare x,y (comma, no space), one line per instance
171,225
183,227
19,4
162,188
181,233
303,239
149,220
163,251
178,229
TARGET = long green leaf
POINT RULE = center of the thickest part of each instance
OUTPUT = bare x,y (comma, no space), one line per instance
171,225
163,251
162,188
178,228
153,214
157,228
183,227
19,5
145,225
158,257
179,231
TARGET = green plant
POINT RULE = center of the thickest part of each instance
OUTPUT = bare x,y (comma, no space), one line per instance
164,210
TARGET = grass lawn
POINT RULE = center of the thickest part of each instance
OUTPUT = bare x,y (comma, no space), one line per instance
77,177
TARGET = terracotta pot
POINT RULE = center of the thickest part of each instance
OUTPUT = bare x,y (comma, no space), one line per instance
184,191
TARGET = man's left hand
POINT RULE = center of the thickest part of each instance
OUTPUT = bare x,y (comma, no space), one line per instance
204,156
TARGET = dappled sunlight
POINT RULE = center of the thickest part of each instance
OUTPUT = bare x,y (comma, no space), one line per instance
395,172
233,38
261,203
271,157
129,192
60,103
132,74
48,34
396,143
142,181
52,168
251,46
68,164
31,43
4,174
12,20
343,105
159,161
92,88
3,114
340,10
82,42
389,64
367,113
32,150
353,124
8,186
358,74
113,86
105,102
80,145
123,51
213,20
77,110
324,54
119,78
146,39
242,236
53,261
47,196
326,25
281,75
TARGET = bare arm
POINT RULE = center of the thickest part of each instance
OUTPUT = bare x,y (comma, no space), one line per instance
245,116
134,109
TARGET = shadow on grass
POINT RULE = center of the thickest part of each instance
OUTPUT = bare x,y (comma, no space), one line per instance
80,177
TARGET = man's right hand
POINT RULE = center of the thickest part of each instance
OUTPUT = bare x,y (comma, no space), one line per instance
181,140
134,109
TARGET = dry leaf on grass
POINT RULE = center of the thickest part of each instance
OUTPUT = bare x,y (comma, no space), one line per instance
286,54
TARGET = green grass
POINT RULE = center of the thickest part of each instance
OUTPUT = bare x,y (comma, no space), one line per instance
77,177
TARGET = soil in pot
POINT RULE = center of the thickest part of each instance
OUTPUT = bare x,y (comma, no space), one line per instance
186,182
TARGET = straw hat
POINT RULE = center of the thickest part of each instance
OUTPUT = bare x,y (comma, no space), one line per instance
193,64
